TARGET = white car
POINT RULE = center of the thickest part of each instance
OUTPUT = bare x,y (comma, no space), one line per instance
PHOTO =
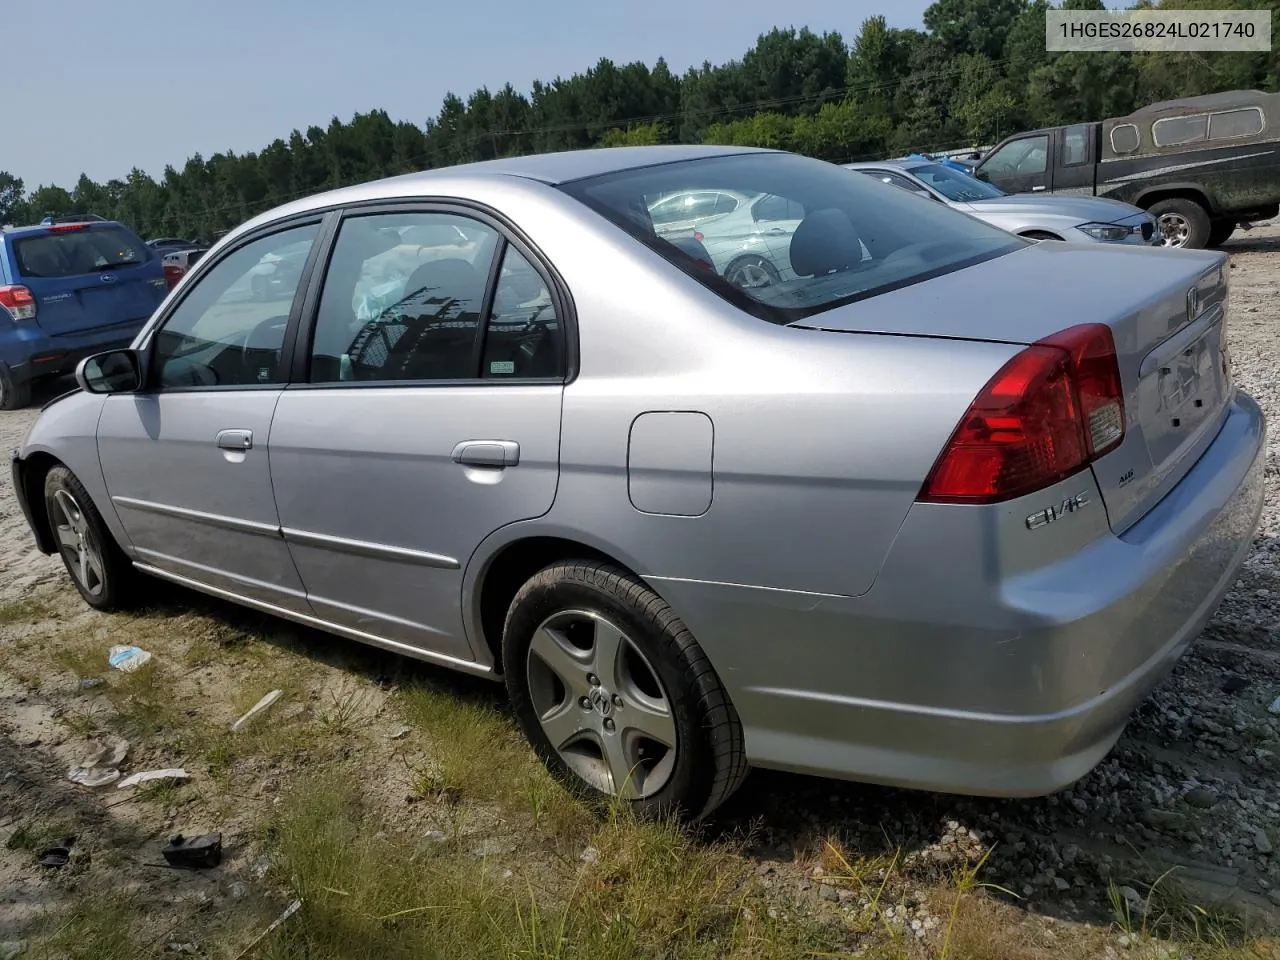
1035,217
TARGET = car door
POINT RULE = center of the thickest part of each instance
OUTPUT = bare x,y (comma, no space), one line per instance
776,220
1073,172
185,459
1020,166
413,432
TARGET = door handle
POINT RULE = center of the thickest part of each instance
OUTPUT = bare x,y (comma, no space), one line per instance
487,453
1038,189
235,439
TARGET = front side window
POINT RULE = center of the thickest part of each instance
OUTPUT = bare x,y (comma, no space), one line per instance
955,186
776,209
1020,158
690,207
395,308
1174,131
71,251
229,329
855,240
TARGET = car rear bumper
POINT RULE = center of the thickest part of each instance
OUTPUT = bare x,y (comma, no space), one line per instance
29,353
1019,691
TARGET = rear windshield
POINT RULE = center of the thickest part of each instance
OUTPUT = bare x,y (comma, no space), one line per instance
804,236
78,251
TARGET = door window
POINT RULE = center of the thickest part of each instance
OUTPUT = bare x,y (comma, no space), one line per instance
229,330
402,299
523,334
1075,145
1174,131
1021,158
772,209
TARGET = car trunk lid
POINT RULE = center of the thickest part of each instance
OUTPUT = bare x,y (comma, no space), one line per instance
1169,342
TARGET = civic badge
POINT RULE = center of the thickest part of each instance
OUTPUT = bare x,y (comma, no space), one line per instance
1193,303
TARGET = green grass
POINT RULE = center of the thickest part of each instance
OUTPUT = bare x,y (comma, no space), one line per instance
651,892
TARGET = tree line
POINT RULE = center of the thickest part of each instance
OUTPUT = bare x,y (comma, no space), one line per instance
976,71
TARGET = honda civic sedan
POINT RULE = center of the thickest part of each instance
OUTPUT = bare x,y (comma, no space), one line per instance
936,509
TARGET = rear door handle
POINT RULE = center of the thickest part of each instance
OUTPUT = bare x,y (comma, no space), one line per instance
235,439
1038,189
487,453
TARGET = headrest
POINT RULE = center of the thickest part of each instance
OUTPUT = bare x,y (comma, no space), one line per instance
825,242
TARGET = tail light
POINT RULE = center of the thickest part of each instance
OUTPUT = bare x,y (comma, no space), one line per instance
697,235
66,227
18,301
172,274
1050,411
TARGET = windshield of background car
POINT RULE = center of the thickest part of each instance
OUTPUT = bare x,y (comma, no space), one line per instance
818,237
954,185
74,252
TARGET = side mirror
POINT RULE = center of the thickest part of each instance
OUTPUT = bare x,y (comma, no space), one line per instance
116,371
981,174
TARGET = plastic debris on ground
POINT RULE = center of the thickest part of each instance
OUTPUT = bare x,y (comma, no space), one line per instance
194,852
127,659
1275,706
144,776
258,707
99,765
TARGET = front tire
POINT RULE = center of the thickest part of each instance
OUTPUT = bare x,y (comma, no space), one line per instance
751,272
98,567
1183,223
616,696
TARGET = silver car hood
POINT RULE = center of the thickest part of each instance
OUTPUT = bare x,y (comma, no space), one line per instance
1085,209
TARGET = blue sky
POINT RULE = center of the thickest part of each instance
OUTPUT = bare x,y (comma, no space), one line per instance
104,87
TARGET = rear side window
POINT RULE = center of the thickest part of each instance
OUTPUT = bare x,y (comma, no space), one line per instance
74,252
1124,138
1172,131
1230,124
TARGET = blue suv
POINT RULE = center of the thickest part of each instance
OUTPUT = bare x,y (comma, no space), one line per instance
68,290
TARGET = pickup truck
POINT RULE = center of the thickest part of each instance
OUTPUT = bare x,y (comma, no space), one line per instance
1202,166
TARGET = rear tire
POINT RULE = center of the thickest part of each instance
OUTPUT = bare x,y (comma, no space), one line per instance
1183,223
13,396
598,663
1220,232
98,567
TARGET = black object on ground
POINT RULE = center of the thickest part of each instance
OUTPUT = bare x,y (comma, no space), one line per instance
194,852
55,857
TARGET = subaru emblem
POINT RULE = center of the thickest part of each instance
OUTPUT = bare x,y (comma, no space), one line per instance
108,278
1193,303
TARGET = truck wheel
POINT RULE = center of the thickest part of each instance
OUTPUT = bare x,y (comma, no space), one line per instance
1182,223
1221,232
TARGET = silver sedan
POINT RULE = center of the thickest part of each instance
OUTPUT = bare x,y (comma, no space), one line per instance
1083,219
936,511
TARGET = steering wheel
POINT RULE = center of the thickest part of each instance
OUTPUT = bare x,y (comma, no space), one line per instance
267,335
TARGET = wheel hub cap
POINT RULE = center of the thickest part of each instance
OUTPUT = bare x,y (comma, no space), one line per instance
601,705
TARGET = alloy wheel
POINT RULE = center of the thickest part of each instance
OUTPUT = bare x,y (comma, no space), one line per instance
1174,228
601,705
78,544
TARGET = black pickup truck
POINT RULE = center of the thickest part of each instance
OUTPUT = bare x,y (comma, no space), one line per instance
1201,165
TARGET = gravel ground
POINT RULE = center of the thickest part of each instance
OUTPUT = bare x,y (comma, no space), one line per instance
1192,784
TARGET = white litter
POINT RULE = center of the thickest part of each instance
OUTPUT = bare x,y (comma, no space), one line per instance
173,773
127,659
98,766
258,707
1275,706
